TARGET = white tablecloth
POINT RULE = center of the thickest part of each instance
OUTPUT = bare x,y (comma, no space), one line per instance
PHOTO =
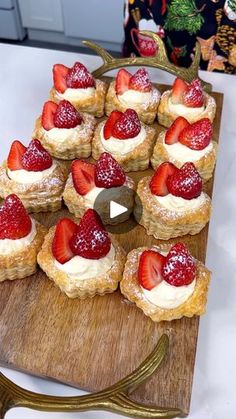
26,77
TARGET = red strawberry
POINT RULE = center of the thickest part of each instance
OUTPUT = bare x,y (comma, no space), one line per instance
150,269
15,223
178,90
193,96
67,116
127,126
108,173
60,72
14,160
179,267
90,240
78,77
172,134
185,182
158,182
49,110
198,135
113,117
36,158
61,250
140,81
83,175
122,81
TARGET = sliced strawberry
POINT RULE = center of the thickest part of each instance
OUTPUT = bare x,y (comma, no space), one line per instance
83,175
14,160
60,72
158,182
90,240
193,97
49,110
172,134
108,173
122,81
178,90
15,223
180,267
36,158
185,182
127,126
150,269
61,250
198,135
79,77
113,117
66,116
140,81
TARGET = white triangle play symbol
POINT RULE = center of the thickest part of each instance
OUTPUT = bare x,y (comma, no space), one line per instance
116,209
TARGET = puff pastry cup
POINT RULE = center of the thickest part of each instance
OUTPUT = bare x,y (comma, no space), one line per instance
130,288
205,164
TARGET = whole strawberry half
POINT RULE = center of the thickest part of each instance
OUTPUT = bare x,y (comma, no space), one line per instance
173,132
140,81
127,126
108,173
122,81
158,182
66,116
78,77
61,250
150,269
185,182
178,89
83,175
110,122
90,240
60,72
14,160
15,223
49,110
198,135
36,158
179,267
193,97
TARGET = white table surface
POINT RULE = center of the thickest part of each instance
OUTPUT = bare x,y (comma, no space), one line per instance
26,77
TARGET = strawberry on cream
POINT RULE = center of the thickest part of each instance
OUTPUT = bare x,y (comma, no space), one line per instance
117,146
10,246
73,83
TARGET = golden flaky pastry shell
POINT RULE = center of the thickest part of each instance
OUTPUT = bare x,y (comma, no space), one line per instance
77,145
77,204
165,117
130,288
24,262
76,288
42,196
137,159
205,165
146,111
92,104
163,223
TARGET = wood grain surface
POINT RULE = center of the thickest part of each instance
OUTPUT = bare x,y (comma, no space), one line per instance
93,343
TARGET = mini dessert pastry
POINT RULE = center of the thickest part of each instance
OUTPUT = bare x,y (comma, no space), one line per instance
86,182
188,100
82,260
133,91
128,140
78,86
64,132
34,176
20,240
166,283
171,202
184,142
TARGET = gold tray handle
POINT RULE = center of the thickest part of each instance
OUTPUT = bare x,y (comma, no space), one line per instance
114,399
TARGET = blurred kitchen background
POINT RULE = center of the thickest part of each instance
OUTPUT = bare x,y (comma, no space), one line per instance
62,24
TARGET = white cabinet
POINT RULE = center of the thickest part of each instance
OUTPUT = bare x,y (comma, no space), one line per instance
42,14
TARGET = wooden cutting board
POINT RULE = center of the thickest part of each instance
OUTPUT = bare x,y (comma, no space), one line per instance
93,343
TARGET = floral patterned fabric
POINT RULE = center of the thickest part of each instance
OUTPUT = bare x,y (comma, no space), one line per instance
181,23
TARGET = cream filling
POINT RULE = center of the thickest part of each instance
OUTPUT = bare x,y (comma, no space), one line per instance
182,110
131,97
81,268
26,177
92,195
122,147
9,246
176,203
183,154
61,135
74,94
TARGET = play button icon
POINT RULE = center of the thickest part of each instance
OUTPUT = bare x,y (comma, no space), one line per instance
116,209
